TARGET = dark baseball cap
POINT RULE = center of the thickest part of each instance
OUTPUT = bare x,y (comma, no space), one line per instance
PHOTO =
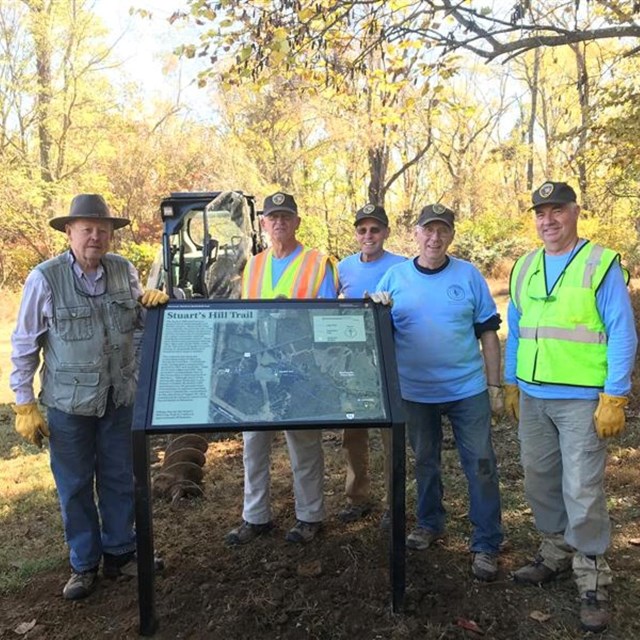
552,193
279,202
436,212
374,211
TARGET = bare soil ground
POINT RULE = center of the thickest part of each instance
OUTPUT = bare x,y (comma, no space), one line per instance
338,586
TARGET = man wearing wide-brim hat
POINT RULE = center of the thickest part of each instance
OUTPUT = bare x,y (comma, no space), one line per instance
80,310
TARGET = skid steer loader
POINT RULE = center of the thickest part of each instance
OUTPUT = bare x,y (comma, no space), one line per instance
206,241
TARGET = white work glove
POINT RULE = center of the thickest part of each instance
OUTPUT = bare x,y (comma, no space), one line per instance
380,297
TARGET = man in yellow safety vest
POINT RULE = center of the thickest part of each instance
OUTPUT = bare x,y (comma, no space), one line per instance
569,357
285,270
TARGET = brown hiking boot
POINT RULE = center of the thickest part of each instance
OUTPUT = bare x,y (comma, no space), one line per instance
303,532
484,566
353,512
536,573
247,532
80,584
594,613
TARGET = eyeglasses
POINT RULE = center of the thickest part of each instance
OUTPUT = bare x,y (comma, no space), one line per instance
361,231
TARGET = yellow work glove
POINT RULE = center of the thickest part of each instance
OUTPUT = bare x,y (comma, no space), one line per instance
30,424
512,401
496,399
380,297
609,415
153,297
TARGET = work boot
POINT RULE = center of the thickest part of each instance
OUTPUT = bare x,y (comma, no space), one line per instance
484,566
125,565
422,538
536,573
594,613
353,512
303,532
247,532
80,584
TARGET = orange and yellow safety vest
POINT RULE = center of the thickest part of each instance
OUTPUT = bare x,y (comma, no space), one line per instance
301,279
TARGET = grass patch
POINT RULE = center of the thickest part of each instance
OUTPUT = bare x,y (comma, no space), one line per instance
31,539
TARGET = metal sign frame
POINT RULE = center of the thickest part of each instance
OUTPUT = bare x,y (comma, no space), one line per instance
143,427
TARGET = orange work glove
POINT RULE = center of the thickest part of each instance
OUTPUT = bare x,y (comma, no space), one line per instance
512,401
609,415
496,398
153,298
30,424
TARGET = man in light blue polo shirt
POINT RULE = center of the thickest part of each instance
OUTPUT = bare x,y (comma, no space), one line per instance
359,274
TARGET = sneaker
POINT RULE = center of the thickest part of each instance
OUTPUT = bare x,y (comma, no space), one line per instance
594,613
353,512
484,566
125,565
246,532
385,520
303,532
422,538
80,584
536,573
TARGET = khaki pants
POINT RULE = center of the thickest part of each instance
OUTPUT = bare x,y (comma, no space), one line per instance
355,443
591,573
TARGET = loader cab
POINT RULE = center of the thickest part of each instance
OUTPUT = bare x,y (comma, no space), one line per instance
206,242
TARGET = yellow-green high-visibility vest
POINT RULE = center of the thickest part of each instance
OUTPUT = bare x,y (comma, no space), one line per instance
301,279
562,336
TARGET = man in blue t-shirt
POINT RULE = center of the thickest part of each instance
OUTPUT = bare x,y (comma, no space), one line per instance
443,313
358,274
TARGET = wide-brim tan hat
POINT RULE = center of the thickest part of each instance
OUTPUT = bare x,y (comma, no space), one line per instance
88,206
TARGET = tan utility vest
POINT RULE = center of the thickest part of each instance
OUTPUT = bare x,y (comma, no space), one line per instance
88,347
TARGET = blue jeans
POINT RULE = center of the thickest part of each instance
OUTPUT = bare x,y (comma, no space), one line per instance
471,422
87,451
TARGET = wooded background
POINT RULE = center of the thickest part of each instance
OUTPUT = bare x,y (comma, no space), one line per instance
399,102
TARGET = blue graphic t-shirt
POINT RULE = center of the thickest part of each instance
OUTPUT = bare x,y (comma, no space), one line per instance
438,354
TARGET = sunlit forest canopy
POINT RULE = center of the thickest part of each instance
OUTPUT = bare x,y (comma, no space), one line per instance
401,103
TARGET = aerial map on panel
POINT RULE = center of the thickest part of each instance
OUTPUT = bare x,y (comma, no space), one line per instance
241,365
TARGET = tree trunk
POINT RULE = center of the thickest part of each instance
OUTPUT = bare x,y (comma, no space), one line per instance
532,119
40,14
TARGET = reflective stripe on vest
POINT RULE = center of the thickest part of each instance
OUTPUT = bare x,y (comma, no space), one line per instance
579,334
302,278
562,338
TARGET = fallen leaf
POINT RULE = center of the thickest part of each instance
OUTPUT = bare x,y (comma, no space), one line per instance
540,616
310,569
635,542
469,625
25,627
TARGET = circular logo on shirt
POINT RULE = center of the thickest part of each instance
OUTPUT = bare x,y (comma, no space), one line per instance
438,208
455,292
278,198
545,190
370,208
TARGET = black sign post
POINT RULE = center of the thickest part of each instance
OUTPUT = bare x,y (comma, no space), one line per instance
355,333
